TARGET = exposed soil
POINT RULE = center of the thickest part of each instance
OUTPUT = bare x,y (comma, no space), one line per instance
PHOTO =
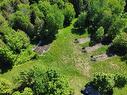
82,40
101,57
93,48
40,49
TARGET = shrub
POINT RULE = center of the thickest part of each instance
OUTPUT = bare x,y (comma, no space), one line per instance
99,34
69,13
6,57
117,26
26,55
81,20
120,43
17,41
60,3
79,5
27,91
51,83
45,83
5,87
120,80
24,8
54,20
20,21
103,83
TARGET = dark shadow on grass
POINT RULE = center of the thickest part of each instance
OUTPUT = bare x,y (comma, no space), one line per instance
91,89
110,52
78,31
5,65
43,41
120,52
106,40
124,58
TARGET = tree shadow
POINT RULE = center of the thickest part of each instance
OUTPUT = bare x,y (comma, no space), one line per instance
78,31
110,52
106,40
43,41
90,89
124,58
5,65
120,51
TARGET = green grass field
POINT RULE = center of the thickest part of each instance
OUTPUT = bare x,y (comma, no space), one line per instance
66,57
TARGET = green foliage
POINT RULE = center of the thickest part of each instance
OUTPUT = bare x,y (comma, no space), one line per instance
120,43
51,84
99,34
97,8
17,41
5,87
40,19
6,54
60,3
20,21
26,55
117,26
120,80
79,5
45,83
27,91
103,83
105,13
45,7
37,11
54,20
6,30
8,6
69,13
81,20
37,19
6,57
33,1
2,20
24,8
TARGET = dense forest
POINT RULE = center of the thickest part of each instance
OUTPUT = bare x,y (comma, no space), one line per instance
63,47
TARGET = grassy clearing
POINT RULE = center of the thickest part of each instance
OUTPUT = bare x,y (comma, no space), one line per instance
66,57
12,74
121,91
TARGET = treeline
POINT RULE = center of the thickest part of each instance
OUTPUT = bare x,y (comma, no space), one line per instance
104,84
26,22
36,82
106,21
23,23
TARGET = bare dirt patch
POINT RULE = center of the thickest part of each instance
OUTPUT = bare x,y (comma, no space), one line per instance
93,48
82,40
40,49
101,57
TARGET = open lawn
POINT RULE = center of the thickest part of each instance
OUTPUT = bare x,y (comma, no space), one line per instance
66,57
